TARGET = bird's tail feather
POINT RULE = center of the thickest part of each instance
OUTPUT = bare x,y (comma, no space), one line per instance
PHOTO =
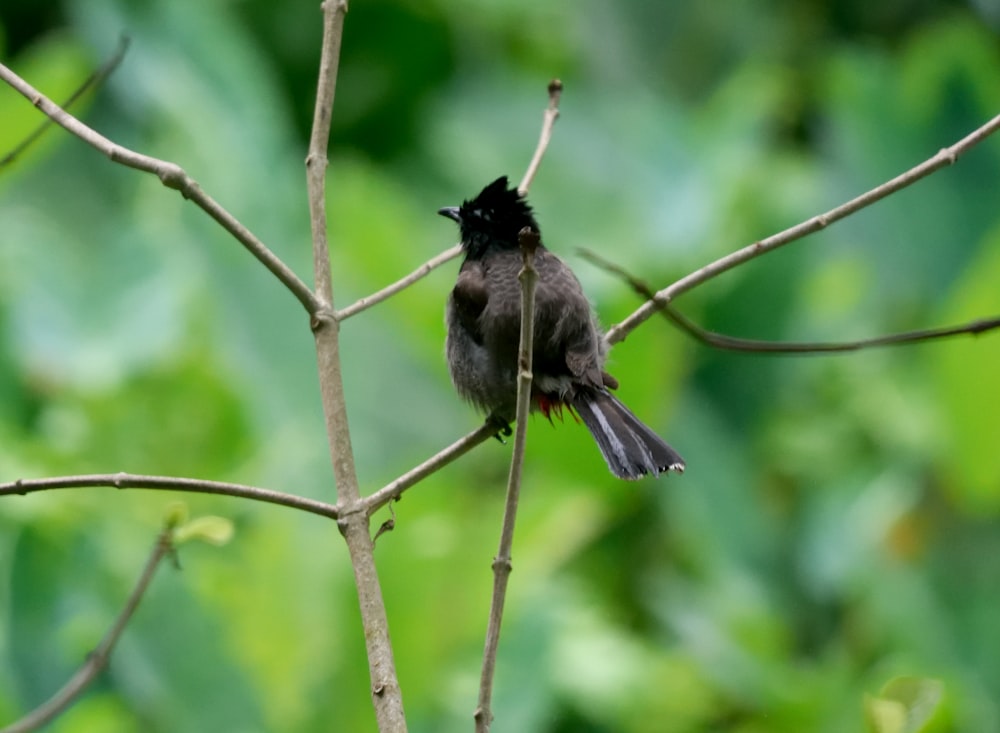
630,448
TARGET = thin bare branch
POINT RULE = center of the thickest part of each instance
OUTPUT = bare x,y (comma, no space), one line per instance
97,660
172,176
334,12
731,343
947,156
459,448
387,292
528,276
168,483
548,122
354,521
102,73
325,327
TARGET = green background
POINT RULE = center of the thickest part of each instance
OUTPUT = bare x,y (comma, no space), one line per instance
837,526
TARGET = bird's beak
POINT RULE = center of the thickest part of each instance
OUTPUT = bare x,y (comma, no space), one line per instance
451,212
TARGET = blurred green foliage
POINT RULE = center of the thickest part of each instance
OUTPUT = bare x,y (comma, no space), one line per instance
836,529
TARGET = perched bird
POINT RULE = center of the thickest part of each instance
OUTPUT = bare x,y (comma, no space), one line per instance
483,317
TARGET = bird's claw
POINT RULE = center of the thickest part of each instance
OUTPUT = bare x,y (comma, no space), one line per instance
502,426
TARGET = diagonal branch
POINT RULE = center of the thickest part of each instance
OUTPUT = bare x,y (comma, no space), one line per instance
169,483
394,489
528,276
548,121
946,156
387,292
93,80
97,660
731,343
172,176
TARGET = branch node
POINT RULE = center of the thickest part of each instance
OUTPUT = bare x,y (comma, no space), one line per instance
502,565
313,158
173,176
323,318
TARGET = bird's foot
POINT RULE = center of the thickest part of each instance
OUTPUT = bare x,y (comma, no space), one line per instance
502,426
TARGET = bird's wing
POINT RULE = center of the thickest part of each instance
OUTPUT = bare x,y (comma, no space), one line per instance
470,296
583,362
564,315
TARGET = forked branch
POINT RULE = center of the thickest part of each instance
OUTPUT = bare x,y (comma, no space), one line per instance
90,82
172,176
947,156
548,122
731,343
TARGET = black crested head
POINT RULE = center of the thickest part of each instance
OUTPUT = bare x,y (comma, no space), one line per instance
492,219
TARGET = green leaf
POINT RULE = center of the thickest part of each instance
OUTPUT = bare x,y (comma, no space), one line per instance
905,705
212,529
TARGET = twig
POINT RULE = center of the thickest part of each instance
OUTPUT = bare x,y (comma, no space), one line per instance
386,526
459,448
168,483
947,156
97,660
172,176
94,79
319,137
387,292
354,522
731,343
502,563
548,122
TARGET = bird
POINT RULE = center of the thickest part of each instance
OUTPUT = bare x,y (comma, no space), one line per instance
483,316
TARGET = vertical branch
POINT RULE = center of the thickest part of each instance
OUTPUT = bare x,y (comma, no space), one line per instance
353,522
502,563
316,160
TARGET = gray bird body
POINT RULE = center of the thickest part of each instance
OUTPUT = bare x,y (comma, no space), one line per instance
483,316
